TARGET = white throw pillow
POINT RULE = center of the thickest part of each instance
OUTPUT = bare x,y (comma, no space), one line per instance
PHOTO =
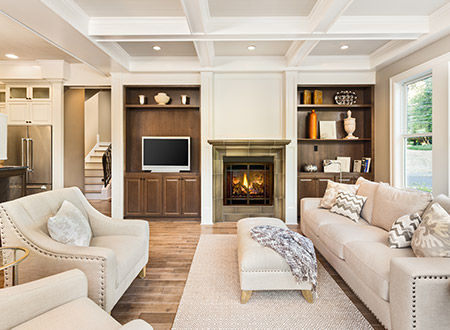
403,229
333,188
348,205
432,237
69,226
368,189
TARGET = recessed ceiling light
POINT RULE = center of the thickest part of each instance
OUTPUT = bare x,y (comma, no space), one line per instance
251,47
156,47
343,47
15,57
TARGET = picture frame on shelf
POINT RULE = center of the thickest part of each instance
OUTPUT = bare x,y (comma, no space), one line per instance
345,163
357,166
327,130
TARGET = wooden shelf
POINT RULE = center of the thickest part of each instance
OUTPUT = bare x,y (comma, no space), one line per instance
328,174
334,140
168,106
333,106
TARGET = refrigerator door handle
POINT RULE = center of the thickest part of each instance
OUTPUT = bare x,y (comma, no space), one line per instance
23,151
28,156
31,156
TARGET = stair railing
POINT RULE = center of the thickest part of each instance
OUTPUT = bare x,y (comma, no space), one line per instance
106,160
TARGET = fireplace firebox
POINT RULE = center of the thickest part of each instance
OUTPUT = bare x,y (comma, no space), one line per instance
248,183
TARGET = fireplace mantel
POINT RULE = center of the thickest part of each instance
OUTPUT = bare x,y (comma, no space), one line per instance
248,142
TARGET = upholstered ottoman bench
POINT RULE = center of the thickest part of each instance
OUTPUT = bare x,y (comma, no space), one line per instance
261,268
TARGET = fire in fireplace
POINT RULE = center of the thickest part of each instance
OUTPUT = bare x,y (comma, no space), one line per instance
248,183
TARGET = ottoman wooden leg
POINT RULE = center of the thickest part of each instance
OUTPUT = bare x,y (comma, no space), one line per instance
307,294
245,296
143,272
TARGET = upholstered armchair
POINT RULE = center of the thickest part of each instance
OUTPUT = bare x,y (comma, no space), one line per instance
117,253
56,302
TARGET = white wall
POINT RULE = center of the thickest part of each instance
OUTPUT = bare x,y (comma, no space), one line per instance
91,107
104,116
248,106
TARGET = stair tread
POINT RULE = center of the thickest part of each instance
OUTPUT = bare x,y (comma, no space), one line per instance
92,191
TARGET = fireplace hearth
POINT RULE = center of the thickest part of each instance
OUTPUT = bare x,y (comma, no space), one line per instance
248,183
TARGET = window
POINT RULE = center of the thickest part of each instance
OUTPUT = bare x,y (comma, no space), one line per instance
417,134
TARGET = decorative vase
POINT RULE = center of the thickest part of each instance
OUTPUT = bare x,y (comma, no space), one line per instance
184,99
350,126
313,124
142,99
162,98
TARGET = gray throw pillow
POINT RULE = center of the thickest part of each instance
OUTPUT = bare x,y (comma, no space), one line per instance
432,237
69,226
403,229
349,205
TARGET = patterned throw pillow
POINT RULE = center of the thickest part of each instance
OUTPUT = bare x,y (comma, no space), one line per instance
432,237
333,188
69,226
403,229
349,205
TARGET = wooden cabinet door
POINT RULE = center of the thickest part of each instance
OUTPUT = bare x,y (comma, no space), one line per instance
133,196
171,196
307,187
153,194
190,196
322,186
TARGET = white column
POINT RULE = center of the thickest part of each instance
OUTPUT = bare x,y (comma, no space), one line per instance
57,134
117,135
206,109
291,149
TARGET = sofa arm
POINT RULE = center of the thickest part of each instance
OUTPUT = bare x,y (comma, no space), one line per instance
137,325
305,205
26,301
419,292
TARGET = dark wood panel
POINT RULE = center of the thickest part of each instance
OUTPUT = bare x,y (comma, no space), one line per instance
172,196
153,195
133,196
328,92
160,122
190,196
175,92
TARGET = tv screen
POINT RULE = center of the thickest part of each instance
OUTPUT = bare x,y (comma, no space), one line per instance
165,154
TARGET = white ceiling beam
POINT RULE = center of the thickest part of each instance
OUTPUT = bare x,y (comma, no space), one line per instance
197,16
397,49
205,52
325,13
298,50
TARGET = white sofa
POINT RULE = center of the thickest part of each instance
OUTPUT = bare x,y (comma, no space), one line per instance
403,291
56,302
117,253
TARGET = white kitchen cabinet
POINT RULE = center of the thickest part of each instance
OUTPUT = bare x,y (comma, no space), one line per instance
29,104
2,101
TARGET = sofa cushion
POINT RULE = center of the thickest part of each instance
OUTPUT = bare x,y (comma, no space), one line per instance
81,313
392,203
403,229
368,189
315,218
335,236
128,250
371,262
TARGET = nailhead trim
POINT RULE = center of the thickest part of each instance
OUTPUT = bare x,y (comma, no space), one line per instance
413,290
50,254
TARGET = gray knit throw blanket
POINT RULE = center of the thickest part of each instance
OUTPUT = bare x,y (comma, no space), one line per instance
297,250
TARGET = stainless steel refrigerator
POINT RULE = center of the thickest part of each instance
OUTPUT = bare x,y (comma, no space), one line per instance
32,146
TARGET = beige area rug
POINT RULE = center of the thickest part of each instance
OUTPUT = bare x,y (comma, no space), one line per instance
211,297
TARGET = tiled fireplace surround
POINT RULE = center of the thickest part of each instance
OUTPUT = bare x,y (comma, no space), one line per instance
249,148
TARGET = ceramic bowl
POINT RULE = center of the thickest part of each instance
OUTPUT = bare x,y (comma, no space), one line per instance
162,98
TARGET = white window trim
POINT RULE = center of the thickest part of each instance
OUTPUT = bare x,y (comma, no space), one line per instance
396,120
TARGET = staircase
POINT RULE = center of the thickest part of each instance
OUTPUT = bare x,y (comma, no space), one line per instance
93,173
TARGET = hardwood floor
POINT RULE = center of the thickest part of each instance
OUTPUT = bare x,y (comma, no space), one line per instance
172,246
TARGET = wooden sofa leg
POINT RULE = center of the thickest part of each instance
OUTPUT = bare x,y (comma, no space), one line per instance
245,296
307,294
143,272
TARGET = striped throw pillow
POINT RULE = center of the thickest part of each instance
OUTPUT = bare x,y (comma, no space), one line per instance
349,205
403,229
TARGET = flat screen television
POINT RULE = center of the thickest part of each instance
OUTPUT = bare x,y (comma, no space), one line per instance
166,153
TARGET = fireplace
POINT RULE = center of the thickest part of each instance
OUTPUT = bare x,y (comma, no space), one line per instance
248,182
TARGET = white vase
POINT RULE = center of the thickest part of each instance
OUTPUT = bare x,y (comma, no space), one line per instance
350,126
142,99
162,98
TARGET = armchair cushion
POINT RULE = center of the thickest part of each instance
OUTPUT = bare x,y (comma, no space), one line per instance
70,226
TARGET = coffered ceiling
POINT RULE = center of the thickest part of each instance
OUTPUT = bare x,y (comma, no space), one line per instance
195,35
